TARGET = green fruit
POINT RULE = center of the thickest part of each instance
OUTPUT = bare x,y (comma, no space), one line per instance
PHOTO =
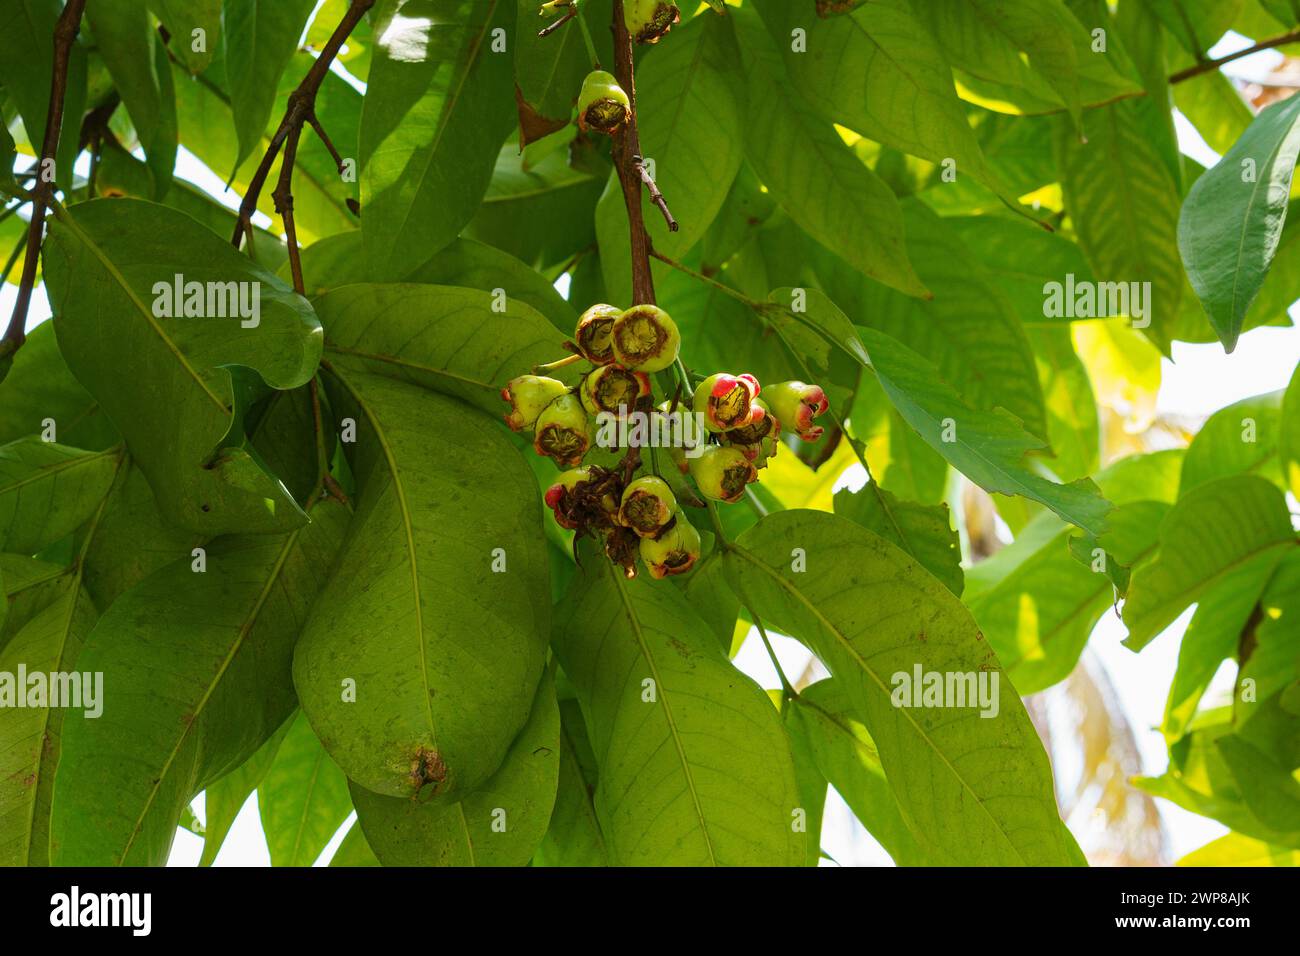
722,473
648,504
646,338
610,388
559,496
563,432
648,20
796,404
528,395
727,402
673,552
593,334
602,104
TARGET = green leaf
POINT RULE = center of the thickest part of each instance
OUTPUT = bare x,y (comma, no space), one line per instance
574,837
822,719
47,491
1287,12
1232,219
260,40
195,28
1233,849
1073,425
1267,787
167,383
497,824
969,329
688,101
1213,105
26,65
198,665
815,177
988,448
223,799
1289,438
812,784
878,71
436,110
1212,530
447,339
354,850
974,790
125,38
1124,203
682,739
418,665
1241,438
924,532
303,798
1197,24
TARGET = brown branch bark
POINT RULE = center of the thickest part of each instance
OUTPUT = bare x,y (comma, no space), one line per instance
1209,66
301,110
627,154
65,34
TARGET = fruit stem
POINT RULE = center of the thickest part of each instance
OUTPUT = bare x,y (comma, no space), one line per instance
627,147
558,363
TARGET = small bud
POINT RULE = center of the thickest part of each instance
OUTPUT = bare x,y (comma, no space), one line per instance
796,405
648,505
602,104
675,551
648,20
528,395
646,338
727,402
563,432
554,6
721,473
609,387
593,335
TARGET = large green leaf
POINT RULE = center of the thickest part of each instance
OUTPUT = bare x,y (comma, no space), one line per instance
125,38
198,668
1197,24
988,448
683,741
303,798
923,531
26,64
437,107
224,799
447,339
184,19
1289,438
878,71
815,177
48,490
549,70
419,662
823,720
354,850
1233,849
260,40
1213,529
497,824
974,789
1231,221
167,383
1073,425
573,837
1241,438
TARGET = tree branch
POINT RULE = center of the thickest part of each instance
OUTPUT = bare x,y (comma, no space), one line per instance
301,110
65,34
627,152
1208,66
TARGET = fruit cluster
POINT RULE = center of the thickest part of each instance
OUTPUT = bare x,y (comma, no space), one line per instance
641,516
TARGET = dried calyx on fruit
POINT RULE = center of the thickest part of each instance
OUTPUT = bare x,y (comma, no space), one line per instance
796,405
727,402
594,333
609,388
722,472
648,504
584,499
674,551
648,20
645,337
563,431
602,104
528,395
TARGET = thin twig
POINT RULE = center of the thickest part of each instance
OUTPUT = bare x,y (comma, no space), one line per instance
1209,66
65,34
656,196
552,27
301,110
